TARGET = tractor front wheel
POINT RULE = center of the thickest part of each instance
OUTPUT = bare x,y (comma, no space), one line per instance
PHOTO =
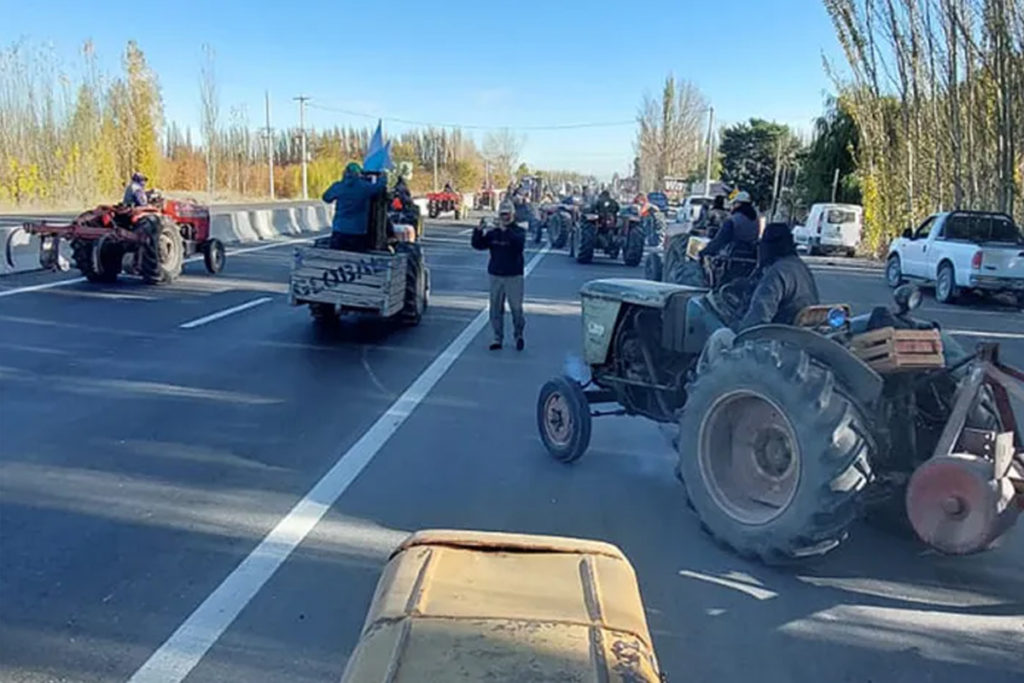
634,251
587,241
213,256
161,253
563,418
773,453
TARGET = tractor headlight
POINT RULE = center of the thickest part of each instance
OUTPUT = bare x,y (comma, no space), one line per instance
836,317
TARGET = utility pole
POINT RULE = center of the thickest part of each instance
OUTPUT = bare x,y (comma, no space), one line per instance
707,168
775,182
835,185
302,99
435,164
269,132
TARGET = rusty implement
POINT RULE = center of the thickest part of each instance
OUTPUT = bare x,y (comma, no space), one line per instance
473,606
971,491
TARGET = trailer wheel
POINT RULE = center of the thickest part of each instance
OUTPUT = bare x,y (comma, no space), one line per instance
213,256
416,284
563,419
773,453
324,314
161,253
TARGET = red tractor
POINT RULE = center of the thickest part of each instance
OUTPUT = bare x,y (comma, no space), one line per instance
149,241
443,202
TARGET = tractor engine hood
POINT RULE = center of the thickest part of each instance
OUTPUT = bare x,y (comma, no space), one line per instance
635,291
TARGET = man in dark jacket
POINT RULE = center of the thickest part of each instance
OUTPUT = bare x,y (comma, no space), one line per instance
506,242
135,192
605,205
351,196
739,231
786,285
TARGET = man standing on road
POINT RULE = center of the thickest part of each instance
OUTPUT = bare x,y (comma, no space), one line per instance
506,242
351,196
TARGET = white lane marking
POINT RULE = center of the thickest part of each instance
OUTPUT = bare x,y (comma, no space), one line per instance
45,285
225,313
76,280
752,591
982,333
183,650
466,231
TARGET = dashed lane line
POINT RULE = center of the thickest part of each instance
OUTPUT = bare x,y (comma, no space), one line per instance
199,322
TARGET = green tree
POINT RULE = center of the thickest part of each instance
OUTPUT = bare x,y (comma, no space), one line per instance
143,114
749,152
834,148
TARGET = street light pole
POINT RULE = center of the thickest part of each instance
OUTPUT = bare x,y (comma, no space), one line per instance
302,99
707,167
270,144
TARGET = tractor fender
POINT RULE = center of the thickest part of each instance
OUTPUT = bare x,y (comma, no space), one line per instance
855,375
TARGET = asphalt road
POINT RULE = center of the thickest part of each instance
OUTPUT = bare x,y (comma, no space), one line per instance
142,463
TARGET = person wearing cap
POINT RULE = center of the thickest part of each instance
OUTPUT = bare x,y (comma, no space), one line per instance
351,196
738,232
135,192
786,285
506,242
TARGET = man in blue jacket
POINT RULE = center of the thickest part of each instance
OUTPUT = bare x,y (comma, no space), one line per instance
351,196
506,242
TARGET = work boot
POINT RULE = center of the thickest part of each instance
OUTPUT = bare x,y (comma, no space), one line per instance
520,344
495,346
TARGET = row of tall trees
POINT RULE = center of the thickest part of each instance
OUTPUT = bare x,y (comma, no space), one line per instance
936,90
73,139
670,139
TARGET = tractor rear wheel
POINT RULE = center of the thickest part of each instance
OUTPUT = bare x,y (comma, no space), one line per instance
634,251
587,241
161,253
107,264
773,453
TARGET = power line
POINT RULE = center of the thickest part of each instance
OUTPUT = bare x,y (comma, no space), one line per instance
470,126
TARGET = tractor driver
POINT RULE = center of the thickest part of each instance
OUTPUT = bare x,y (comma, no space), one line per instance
135,192
786,285
351,196
605,205
739,230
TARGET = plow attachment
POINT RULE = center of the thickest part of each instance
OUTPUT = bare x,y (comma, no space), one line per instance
971,491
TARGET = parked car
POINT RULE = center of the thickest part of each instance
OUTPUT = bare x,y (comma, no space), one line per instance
834,228
692,206
958,251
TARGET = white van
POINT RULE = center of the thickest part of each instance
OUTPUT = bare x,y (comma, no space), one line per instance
834,228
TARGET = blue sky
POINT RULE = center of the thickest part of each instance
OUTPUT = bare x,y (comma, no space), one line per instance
517,64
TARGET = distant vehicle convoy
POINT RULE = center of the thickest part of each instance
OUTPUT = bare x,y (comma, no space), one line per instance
959,251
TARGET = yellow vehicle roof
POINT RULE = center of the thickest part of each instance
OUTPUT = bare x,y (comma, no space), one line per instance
471,606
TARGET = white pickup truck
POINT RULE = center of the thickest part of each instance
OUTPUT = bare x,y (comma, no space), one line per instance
958,251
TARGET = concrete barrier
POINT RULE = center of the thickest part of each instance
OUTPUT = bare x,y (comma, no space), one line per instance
230,227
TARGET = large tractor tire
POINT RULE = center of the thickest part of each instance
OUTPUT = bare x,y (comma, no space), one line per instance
634,251
773,453
558,230
587,242
654,228
101,270
416,284
162,253
654,267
